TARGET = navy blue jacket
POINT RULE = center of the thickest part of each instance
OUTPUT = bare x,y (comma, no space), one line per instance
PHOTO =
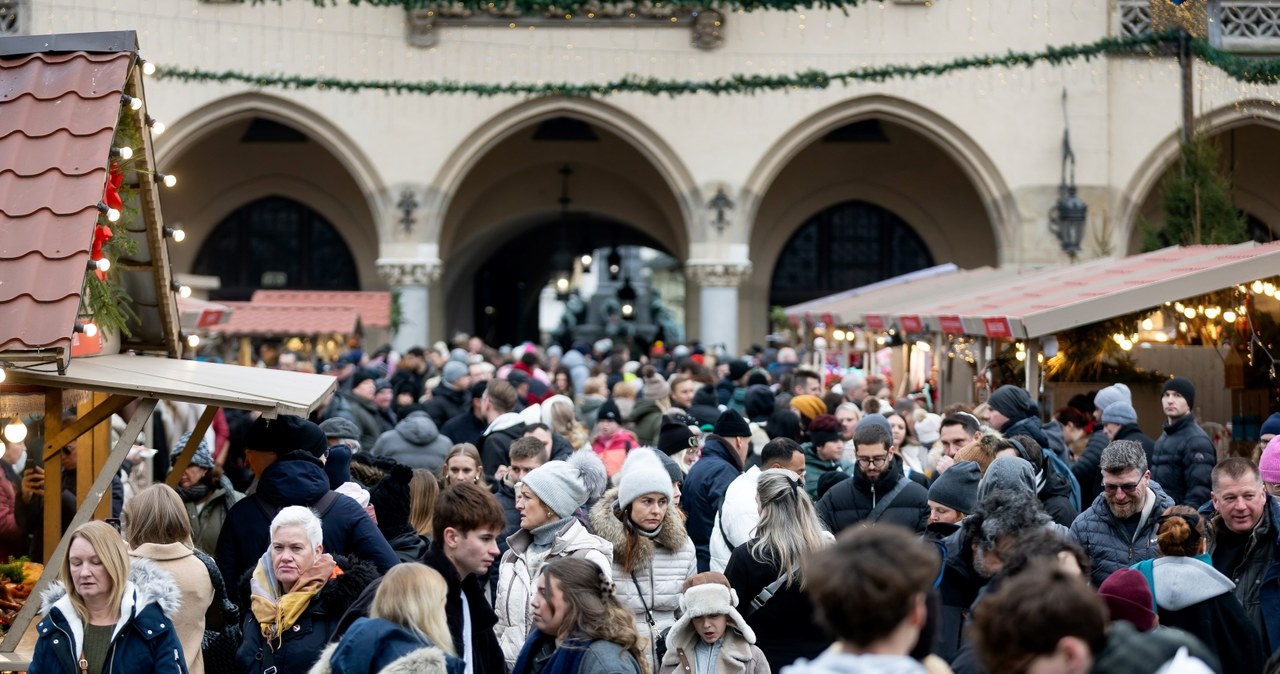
703,493
372,644
1103,537
1183,461
145,641
298,479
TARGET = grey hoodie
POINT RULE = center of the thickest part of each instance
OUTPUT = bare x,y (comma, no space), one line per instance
1185,581
415,442
1008,472
836,662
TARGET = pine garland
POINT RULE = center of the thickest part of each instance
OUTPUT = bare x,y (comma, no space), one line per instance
732,84
534,7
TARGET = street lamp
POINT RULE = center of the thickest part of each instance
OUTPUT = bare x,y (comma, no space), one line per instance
627,298
1069,214
614,261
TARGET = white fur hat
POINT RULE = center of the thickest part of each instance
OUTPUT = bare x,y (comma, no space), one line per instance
709,599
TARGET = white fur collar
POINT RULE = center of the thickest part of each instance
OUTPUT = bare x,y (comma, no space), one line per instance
148,584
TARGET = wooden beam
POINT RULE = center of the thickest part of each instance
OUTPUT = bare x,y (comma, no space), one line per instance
52,473
101,486
87,421
184,458
101,435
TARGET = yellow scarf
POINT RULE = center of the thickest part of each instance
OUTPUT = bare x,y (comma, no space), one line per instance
277,613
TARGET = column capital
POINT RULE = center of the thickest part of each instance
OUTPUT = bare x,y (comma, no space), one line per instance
717,273
410,271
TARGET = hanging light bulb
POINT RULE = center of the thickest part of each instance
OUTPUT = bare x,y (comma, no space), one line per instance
614,260
168,179
157,127
2,375
148,68
87,329
1212,312
133,102
183,291
586,261
193,341
125,152
1178,307
1229,316
1256,287
1021,356
1182,326
1189,312
1147,324
15,431
101,264
175,233
837,335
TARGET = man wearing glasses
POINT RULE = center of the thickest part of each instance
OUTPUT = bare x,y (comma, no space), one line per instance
1119,529
1243,542
878,492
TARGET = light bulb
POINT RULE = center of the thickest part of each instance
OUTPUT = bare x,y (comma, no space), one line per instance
168,179
1126,345
125,152
103,265
2,375
90,330
175,233
1256,287
184,291
562,284
1178,307
157,128
1147,324
148,68
1229,316
1021,356
193,341
1182,326
113,215
1189,312
15,432
586,260
1212,312
1117,338
135,104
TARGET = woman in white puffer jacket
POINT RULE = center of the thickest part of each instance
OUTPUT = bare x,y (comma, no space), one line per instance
547,499
652,553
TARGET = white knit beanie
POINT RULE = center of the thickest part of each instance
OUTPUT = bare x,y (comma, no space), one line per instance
565,485
642,473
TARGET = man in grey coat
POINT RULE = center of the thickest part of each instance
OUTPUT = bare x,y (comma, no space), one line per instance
1119,529
415,442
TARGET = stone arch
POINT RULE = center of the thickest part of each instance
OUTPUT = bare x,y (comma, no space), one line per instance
981,171
1153,168
491,132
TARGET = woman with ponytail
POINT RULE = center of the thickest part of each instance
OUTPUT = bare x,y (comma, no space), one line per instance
765,571
580,627
546,499
1191,595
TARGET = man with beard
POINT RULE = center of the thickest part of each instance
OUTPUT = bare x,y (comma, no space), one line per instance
1119,529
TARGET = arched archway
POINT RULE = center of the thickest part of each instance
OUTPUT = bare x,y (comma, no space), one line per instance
276,242
505,184
893,156
278,149
1248,136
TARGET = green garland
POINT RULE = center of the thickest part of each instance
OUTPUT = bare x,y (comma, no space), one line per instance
109,303
534,7
1239,68
732,84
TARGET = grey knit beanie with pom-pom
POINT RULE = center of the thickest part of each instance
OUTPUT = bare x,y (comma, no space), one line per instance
565,485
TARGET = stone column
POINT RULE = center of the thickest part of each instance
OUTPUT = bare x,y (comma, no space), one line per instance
718,298
411,279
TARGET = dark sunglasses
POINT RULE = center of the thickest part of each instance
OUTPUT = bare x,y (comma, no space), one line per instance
1128,488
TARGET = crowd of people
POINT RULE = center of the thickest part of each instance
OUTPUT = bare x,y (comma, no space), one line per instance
595,511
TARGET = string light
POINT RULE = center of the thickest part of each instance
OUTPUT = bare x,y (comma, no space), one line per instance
87,329
133,102
101,264
15,431
184,291
148,68
2,374
168,179
157,127
111,213
125,153
177,234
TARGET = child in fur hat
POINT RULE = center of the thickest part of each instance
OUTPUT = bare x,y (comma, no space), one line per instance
711,636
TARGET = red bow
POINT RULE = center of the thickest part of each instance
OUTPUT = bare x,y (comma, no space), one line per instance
111,195
100,235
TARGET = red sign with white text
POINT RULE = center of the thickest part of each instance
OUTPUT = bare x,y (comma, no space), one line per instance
911,323
997,327
874,321
951,325
209,317
85,346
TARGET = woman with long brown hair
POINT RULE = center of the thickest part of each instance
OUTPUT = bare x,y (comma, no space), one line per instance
580,626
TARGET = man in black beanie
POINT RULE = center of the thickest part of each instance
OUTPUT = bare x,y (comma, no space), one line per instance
392,501
724,455
1011,411
1183,459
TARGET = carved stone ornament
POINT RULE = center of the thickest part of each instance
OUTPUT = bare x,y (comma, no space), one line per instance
410,272
707,25
718,274
420,25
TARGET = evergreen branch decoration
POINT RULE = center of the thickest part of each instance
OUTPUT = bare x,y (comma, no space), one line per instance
733,84
1239,68
541,6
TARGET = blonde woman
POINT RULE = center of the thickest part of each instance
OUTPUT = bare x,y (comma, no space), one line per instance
108,612
157,528
558,413
462,464
423,492
406,631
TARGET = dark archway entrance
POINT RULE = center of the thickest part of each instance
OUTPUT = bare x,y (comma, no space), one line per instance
509,284
845,246
276,242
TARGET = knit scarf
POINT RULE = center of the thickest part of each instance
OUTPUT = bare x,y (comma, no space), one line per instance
193,494
276,613
565,660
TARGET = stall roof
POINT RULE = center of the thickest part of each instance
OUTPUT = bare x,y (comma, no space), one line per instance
284,320
1055,299
374,305
824,305
272,392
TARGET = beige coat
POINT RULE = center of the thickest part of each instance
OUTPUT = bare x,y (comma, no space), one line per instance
736,655
192,578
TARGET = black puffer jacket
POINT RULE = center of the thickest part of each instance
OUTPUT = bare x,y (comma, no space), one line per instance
1183,462
1132,432
447,402
1088,468
1055,496
1103,537
851,501
960,587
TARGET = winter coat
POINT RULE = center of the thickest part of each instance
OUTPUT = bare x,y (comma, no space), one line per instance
506,495
1029,426
192,578
1103,537
485,650
785,626
1129,651
1257,577
1183,460
1192,596
838,662
646,417
588,411
144,641
415,442
515,578
851,501
363,413
300,646
1132,432
1055,496
408,544
653,587
736,656
613,449
703,493
961,584
464,428
736,521
495,445
815,468
297,479
1088,467
207,520
599,657
377,646
447,402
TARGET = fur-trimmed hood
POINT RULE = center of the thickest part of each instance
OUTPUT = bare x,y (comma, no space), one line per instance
148,584
606,524
364,650
708,599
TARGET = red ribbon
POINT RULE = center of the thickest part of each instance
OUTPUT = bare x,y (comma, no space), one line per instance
111,194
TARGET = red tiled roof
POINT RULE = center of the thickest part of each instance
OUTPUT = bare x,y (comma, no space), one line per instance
281,320
58,115
374,306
